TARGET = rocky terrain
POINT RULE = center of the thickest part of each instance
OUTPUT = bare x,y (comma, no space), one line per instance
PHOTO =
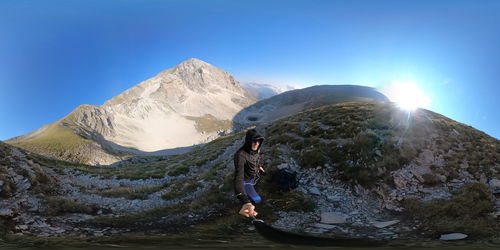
374,170
364,169
190,104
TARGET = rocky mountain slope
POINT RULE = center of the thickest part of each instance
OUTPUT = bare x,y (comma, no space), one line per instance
187,105
364,169
294,101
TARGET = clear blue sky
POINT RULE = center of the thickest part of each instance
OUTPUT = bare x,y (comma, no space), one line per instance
56,55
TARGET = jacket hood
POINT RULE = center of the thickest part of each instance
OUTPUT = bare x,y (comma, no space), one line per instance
251,135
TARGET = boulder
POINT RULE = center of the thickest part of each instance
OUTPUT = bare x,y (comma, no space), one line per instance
494,184
324,226
332,218
382,224
314,190
334,198
22,227
453,236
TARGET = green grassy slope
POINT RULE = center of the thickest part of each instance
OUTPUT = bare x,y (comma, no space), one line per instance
366,140
56,141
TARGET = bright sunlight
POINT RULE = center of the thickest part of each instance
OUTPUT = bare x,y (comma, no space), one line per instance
407,95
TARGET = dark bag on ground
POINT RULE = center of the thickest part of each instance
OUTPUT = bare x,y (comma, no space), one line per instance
285,180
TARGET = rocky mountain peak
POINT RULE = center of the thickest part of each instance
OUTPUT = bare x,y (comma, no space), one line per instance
199,75
194,63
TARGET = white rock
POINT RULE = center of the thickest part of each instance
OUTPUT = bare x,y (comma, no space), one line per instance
334,198
453,236
382,224
22,227
494,183
314,190
324,226
332,218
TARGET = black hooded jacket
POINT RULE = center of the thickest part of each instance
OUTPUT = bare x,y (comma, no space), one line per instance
246,163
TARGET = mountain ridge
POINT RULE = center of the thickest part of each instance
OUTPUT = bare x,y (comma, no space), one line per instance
160,113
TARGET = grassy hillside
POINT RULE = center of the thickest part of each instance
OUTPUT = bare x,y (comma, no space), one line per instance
366,143
57,141
367,140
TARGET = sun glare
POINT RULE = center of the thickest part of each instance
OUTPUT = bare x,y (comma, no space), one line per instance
407,95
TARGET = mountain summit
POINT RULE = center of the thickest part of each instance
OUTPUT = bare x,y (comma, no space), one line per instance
189,104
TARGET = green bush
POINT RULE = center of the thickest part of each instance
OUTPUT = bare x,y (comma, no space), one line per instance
178,170
430,179
281,139
58,206
365,144
293,201
8,188
125,192
360,175
467,212
313,158
181,189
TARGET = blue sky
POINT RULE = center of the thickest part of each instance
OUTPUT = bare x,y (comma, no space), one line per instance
58,54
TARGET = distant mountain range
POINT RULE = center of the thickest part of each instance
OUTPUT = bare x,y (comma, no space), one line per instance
263,90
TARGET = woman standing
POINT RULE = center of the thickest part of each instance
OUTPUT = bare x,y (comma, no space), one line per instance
247,172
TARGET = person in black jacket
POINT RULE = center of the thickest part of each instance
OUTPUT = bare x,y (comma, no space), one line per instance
247,172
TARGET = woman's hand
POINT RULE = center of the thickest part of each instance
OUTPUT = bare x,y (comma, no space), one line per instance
247,210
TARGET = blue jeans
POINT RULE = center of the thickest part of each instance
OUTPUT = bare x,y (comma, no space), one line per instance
249,186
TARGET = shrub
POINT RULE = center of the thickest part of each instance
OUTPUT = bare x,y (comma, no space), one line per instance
8,189
312,158
467,211
181,189
360,175
178,170
366,143
281,139
58,206
125,192
430,179
293,201
406,153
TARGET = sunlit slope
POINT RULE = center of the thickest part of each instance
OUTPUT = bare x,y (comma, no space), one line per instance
69,140
56,141
365,141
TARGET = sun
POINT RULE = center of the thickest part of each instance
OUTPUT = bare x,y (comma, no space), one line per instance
407,95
